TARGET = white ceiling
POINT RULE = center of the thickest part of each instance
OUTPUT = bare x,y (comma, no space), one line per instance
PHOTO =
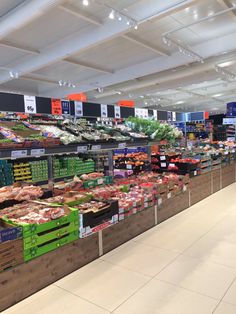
46,41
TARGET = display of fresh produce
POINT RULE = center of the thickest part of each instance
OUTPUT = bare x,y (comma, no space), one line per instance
154,129
65,137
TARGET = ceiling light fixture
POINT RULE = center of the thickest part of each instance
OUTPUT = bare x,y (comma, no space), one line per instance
217,95
14,74
85,2
136,26
112,15
224,64
226,74
179,102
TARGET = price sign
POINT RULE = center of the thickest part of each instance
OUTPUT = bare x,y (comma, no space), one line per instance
185,188
129,167
65,105
155,114
100,181
104,113
30,104
195,173
169,195
18,153
81,149
172,165
163,164
56,106
78,109
37,152
162,157
117,112
96,147
121,145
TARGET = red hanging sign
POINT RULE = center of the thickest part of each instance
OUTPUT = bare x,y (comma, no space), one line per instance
126,103
77,97
56,106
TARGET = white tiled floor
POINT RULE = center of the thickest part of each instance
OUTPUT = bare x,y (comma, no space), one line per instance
186,265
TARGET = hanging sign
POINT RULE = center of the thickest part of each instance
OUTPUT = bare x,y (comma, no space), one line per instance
65,105
173,116
169,115
30,104
137,112
104,113
145,113
78,109
56,106
77,97
155,114
126,103
231,109
117,112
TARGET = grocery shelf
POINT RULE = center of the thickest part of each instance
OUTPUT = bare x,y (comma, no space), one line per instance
66,149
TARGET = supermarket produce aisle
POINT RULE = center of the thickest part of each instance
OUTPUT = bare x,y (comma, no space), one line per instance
186,265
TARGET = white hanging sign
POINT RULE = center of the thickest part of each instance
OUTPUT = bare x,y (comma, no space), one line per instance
30,104
155,114
78,109
173,116
104,111
117,112
145,113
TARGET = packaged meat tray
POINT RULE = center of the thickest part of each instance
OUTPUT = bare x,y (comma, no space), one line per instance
95,214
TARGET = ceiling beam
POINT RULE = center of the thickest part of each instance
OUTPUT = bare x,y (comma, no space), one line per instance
87,65
18,47
145,44
39,78
72,9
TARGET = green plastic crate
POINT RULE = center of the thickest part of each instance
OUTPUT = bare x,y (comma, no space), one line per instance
38,239
33,229
49,246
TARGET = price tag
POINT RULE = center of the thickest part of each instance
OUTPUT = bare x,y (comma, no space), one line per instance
184,188
159,202
163,164
18,153
96,147
117,112
233,150
78,109
226,153
56,107
104,113
172,165
169,195
129,167
30,104
81,149
37,152
100,181
122,145
162,157
195,173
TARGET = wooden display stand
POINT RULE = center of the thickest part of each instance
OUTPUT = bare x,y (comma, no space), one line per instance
200,188
23,280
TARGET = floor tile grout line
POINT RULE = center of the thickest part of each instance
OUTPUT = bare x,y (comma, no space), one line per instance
187,289
139,273
84,299
224,295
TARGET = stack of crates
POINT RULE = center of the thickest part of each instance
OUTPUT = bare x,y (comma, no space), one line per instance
6,173
39,170
39,239
69,166
22,172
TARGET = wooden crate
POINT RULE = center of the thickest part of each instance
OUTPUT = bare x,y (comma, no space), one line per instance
216,178
200,188
128,229
173,206
11,254
25,279
228,175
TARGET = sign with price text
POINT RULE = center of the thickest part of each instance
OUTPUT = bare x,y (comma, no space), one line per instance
30,104
56,106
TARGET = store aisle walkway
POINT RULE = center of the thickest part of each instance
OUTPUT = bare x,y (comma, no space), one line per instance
186,265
